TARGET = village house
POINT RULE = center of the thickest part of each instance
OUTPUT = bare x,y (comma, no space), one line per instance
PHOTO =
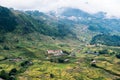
93,62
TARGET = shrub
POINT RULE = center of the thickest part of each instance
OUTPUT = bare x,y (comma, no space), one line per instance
51,60
4,75
93,65
51,75
60,60
1,67
57,60
118,56
117,79
104,52
2,38
25,63
6,48
12,78
66,52
13,72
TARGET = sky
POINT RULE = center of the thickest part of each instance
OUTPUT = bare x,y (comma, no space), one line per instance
112,7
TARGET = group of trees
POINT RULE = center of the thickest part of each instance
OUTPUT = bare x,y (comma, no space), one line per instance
59,59
10,75
105,51
118,56
105,39
26,63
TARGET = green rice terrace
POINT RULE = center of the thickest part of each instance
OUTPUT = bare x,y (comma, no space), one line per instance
75,63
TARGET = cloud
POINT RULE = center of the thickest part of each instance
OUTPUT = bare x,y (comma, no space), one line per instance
112,7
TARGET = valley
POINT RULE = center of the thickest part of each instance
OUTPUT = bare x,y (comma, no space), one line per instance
83,46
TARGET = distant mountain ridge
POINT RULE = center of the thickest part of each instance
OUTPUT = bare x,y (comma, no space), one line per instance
96,21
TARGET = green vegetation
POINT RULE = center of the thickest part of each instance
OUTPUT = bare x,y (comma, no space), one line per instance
36,65
8,76
110,40
7,20
118,56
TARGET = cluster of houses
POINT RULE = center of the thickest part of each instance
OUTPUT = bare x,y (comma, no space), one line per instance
55,52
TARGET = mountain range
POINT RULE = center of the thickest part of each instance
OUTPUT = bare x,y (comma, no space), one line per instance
63,23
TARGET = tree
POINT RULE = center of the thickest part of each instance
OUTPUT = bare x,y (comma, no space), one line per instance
51,75
104,51
4,75
60,60
13,72
118,56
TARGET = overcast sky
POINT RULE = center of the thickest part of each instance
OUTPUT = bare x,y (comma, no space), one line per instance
112,7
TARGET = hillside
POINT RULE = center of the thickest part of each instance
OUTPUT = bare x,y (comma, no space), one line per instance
70,22
23,26
7,20
109,40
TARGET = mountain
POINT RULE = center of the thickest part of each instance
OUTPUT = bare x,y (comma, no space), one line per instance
30,21
63,23
95,22
23,23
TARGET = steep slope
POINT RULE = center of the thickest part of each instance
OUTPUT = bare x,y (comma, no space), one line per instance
7,20
21,29
27,22
51,25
